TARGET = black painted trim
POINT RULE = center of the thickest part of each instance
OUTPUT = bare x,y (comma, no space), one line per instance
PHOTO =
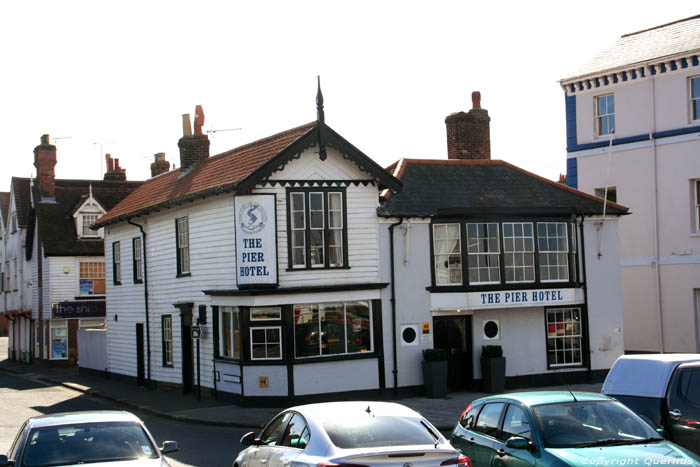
215,331
378,335
296,290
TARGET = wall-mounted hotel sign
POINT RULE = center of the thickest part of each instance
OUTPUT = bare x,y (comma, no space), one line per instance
256,240
523,298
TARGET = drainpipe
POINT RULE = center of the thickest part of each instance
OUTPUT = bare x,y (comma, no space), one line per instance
393,303
582,250
145,301
656,213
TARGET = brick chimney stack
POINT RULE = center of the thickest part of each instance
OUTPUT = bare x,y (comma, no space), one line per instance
194,148
468,134
159,165
45,161
114,172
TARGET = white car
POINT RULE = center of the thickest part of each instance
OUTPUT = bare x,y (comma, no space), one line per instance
349,434
92,437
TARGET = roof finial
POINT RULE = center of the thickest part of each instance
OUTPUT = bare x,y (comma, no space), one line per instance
320,123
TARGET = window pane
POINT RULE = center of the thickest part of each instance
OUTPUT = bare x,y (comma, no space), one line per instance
297,202
489,416
306,331
515,423
332,328
298,220
446,239
227,334
358,327
316,201
695,87
316,219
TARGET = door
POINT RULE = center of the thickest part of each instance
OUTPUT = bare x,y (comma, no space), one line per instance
454,334
485,434
515,423
683,405
140,373
187,354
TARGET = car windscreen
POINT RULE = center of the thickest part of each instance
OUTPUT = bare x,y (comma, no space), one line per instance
369,431
84,443
591,423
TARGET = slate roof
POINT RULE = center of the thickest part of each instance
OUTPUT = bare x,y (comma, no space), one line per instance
20,187
655,43
490,187
4,205
236,170
56,225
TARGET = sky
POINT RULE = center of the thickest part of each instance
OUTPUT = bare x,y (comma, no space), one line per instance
115,77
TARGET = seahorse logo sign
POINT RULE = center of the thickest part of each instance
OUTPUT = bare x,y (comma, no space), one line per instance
252,218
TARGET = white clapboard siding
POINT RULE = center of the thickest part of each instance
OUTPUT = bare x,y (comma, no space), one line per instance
213,263
35,275
46,284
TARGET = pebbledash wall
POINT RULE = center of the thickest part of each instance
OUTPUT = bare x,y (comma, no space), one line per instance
212,284
654,169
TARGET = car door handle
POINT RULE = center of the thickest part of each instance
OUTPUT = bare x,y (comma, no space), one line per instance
675,414
472,440
501,452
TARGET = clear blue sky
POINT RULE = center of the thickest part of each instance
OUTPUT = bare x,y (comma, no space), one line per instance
119,75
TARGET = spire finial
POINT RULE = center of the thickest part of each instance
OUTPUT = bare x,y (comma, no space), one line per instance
320,123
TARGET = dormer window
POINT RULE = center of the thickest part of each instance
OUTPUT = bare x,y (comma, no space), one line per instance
88,220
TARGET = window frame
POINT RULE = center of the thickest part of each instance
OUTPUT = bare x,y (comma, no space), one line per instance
266,343
460,254
116,263
582,337
609,116
307,230
565,253
236,331
183,256
524,251
696,197
85,230
137,259
694,101
497,253
88,270
59,324
166,336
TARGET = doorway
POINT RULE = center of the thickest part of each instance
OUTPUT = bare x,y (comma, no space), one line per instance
140,370
454,334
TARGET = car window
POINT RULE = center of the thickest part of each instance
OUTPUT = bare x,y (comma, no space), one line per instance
690,385
467,421
487,423
297,433
274,431
515,423
12,453
366,431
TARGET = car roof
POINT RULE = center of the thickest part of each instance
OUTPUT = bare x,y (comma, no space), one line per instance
93,416
335,410
531,398
644,375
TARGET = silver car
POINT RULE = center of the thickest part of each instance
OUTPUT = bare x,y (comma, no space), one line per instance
93,437
348,434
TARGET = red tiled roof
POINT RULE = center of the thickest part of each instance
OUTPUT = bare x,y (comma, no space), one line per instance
222,170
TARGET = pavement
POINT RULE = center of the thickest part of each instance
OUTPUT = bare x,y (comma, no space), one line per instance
172,404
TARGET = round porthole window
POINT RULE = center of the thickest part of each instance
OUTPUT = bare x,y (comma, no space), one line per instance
491,329
409,334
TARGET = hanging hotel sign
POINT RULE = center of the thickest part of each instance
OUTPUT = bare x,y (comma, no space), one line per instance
256,240
522,298
79,309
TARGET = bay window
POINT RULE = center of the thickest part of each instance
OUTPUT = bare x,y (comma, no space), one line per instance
317,228
332,329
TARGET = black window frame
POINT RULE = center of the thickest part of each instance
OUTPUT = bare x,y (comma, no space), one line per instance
116,265
179,260
573,253
137,262
585,340
307,229
166,363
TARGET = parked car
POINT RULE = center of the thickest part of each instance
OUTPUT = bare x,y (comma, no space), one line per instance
560,428
352,434
92,437
664,389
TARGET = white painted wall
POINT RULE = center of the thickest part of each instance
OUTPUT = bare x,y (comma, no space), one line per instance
319,378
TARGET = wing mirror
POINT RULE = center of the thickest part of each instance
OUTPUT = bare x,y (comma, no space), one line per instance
249,439
518,442
4,461
169,446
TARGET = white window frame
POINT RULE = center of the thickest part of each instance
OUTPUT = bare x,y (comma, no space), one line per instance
485,254
608,116
59,324
568,334
523,252
296,229
447,256
693,99
167,339
558,253
333,228
322,229
86,220
183,244
235,313
265,328
91,277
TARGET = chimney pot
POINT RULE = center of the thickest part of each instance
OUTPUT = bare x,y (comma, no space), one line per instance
468,134
159,164
114,172
186,125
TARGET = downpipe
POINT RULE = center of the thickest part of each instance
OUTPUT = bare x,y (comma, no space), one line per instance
395,370
145,300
